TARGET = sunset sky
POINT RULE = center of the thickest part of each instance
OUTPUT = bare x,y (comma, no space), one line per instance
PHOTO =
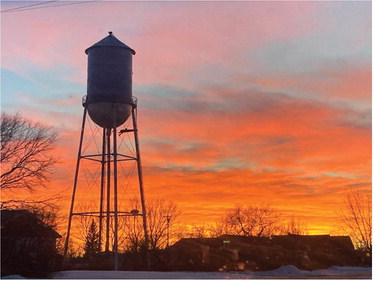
239,102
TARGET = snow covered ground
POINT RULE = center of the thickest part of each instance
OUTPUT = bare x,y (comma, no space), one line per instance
284,272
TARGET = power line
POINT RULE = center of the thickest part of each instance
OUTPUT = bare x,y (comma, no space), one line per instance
53,6
26,6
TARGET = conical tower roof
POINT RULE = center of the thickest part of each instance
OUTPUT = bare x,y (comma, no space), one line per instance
110,41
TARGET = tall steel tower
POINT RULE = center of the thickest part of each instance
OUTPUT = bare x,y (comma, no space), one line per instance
109,104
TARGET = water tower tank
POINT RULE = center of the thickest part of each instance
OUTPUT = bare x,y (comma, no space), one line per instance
109,82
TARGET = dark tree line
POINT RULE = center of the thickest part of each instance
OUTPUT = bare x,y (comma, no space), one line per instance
248,220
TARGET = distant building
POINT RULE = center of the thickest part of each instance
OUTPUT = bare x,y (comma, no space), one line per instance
28,246
232,252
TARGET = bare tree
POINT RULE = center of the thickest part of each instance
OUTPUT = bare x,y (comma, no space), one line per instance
132,230
47,210
356,219
198,231
74,250
161,216
26,159
252,221
193,231
130,234
293,226
223,226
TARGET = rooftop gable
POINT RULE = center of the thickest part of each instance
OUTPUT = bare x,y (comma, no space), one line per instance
22,223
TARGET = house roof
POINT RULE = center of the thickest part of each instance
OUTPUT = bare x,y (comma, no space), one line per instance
22,223
286,241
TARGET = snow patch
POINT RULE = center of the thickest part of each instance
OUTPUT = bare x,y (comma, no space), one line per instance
339,272
287,270
13,277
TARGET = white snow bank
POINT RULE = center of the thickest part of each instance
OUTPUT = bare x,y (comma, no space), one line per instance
284,272
13,277
291,270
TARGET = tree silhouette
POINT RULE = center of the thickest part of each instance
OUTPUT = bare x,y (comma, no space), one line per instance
252,221
26,159
92,245
356,219
293,226
161,217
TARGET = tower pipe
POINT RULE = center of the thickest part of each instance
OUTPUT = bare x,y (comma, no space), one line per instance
108,192
102,187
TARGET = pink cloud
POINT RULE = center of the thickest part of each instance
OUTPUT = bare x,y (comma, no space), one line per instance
330,82
171,38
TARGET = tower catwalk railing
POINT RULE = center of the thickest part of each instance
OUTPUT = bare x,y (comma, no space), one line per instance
105,158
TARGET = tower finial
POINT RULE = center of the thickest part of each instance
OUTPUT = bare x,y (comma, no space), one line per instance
110,32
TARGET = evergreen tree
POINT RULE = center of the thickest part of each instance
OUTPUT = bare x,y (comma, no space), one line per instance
92,240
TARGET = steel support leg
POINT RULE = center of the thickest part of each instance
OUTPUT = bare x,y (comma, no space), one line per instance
140,177
75,182
115,246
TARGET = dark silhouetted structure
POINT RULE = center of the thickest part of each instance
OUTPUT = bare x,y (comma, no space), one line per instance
109,104
28,246
231,252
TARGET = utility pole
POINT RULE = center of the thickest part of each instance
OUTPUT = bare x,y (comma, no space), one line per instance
168,218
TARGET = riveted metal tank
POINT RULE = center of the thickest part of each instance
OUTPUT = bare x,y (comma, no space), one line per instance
109,82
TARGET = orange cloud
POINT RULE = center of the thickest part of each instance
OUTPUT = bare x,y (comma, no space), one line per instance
218,126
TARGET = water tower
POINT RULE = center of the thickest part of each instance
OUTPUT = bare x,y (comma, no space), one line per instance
109,104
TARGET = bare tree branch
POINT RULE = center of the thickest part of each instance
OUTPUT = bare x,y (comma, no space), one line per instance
252,221
293,226
26,147
47,209
356,219
157,212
